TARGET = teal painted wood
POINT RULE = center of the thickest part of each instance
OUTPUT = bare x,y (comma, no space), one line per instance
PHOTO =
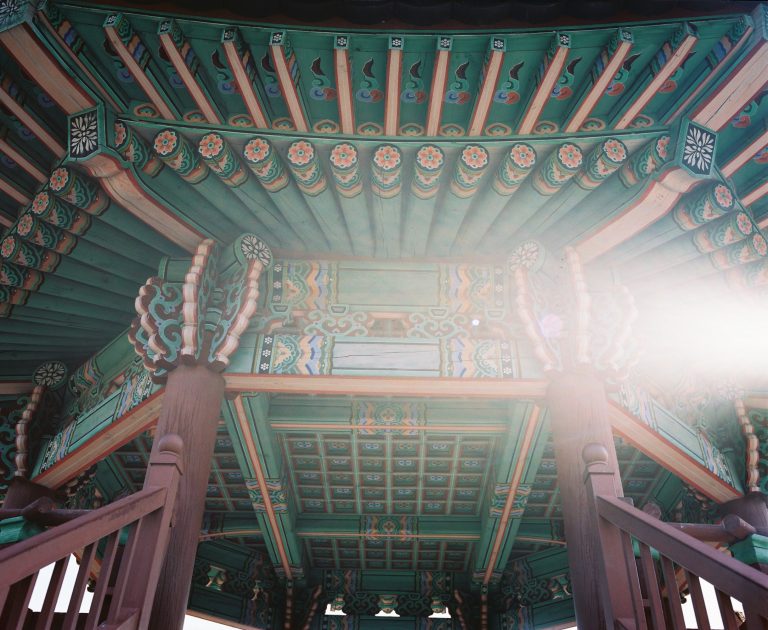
513,168
304,164
428,167
471,165
97,312
179,154
228,167
344,161
554,171
601,163
262,158
386,202
706,203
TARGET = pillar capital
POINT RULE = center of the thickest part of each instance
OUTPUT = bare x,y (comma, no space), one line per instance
195,311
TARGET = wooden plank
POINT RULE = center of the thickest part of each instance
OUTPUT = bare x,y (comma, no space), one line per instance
726,610
26,164
744,156
392,91
285,78
673,594
239,65
102,581
554,67
484,98
31,123
48,609
78,592
652,593
437,89
345,98
387,386
697,600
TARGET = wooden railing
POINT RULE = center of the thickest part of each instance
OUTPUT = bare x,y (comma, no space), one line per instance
125,575
644,593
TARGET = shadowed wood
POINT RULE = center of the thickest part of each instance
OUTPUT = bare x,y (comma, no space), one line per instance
191,409
78,592
45,618
673,594
651,586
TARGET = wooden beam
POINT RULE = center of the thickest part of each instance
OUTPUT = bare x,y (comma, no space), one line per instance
13,191
47,72
344,94
439,80
394,78
673,62
553,66
12,388
125,46
753,196
610,59
514,483
742,84
123,187
484,98
745,155
30,122
669,456
253,455
387,386
240,60
185,63
96,448
285,68
655,202
22,160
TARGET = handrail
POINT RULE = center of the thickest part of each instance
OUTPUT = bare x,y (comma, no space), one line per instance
128,574
39,551
738,579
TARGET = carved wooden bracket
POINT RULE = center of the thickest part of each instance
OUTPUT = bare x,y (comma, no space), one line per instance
572,322
197,316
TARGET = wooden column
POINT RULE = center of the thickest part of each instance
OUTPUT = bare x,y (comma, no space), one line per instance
579,416
191,409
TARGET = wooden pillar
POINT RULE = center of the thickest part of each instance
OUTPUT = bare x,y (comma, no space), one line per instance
752,508
191,409
579,416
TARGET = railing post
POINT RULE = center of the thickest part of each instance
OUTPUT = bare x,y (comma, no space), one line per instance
617,572
579,415
144,555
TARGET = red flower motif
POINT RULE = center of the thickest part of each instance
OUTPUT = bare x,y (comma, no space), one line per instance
614,150
343,155
662,145
211,145
59,179
523,155
40,202
7,246
474,156
120,133
570,155
724,196
430,157
744,223
256,150
387,157
300,153
758,242
165,142
24,225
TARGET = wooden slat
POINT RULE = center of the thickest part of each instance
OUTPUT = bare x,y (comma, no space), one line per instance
697,600
551,75
45,618
437,89
634,579
726,610
392,93
743,582
78,592
102,582
19,595
673,594
652,587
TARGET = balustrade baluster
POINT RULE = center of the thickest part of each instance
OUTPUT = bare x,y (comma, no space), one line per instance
52,595
652,592
634,580
102,582
673,594
78,592
697,599
726,610
16,613
754,620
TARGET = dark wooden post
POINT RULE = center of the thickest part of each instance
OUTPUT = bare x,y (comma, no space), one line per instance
191,409
753,509
579,416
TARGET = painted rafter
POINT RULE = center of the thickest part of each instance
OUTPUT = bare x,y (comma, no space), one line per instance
344,91
13,191
135,56
745,155
13,99
32,55
608,64
742,83
186,64
484,100
24,161
240,60
439,81
674,54
394,78
549,74
286,67
755,195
